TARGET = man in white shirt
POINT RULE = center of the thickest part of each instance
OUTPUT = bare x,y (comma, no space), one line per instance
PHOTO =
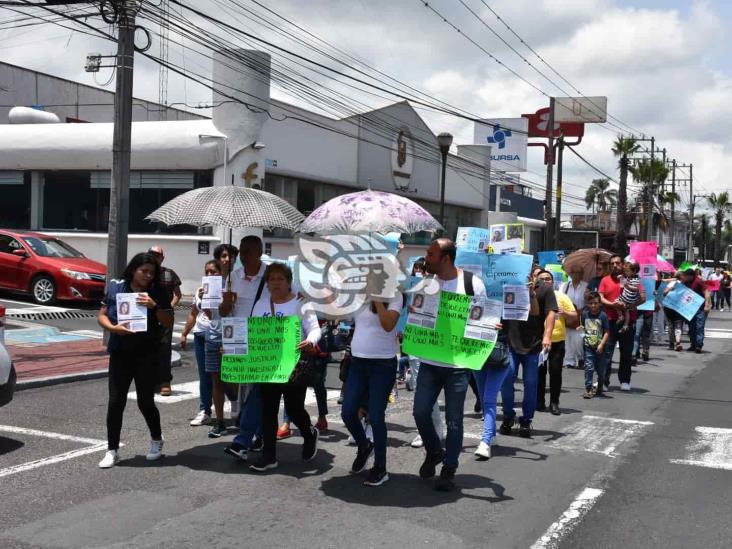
435,377
247,286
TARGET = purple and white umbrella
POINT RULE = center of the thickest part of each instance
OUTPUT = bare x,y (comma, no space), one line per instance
369,212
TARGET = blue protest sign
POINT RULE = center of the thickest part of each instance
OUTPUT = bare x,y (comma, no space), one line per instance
505,269
649,287
473,239
551,256
409,284
684,301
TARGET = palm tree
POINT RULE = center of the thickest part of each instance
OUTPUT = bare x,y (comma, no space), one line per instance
601,195
664,198
651,175
622,149
702,234
721,205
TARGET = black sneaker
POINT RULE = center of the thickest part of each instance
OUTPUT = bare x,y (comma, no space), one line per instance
362,458
264,465
447,479
540,407
377,477
525,428
236,450
217,431
257,445
310,446
554,409
506,426
427,470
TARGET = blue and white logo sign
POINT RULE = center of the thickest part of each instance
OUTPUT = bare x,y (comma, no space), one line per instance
508,138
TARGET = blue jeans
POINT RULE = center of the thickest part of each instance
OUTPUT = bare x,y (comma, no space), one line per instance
205,385
373,377
250,416
432,380
696,328
594,361
530,363
490,379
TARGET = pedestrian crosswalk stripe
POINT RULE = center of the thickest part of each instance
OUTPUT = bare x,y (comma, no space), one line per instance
601,435
717,334
711,447
569,519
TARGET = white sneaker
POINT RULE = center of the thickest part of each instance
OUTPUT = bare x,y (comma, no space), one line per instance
234,409
483,450
625,386
417,442
156,450
109,460
202,418
594,385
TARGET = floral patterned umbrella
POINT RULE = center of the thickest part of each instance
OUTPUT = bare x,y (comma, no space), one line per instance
369,212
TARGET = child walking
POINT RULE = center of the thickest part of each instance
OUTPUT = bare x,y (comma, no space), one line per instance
595,326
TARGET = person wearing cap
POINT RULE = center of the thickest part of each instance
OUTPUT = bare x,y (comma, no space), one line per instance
170,286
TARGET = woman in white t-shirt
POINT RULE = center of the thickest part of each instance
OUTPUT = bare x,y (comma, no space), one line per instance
198,322
282,302
371,376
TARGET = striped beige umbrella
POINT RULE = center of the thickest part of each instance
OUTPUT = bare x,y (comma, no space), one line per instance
229,206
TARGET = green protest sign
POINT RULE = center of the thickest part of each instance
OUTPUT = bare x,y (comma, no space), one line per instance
272,352
446,343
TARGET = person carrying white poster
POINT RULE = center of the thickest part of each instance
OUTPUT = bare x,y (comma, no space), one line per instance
235,335
516,302
132,313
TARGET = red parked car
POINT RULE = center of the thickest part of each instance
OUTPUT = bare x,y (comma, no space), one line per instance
48,269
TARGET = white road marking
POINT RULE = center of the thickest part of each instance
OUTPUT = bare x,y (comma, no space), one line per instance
94,334
717,334
569,519
190,391
601,435
96,446
36,310
712,448
48,434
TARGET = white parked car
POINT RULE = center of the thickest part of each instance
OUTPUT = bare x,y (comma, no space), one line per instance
7,370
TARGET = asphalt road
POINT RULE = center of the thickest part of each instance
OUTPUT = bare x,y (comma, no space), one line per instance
599,475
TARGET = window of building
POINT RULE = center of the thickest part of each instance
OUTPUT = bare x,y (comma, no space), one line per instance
15,199
80,200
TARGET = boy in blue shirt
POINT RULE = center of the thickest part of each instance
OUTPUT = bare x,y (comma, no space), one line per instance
595,327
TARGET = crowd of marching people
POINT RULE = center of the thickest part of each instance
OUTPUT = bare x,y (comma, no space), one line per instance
574,324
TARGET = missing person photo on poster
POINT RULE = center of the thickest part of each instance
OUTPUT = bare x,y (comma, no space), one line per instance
235,335
516,302
484,314
423,310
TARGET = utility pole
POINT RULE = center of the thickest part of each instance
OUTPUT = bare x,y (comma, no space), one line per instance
672,228
690,247
549,177
558,213
648,229
119,200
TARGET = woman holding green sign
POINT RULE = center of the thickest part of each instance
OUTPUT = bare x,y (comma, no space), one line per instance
282,303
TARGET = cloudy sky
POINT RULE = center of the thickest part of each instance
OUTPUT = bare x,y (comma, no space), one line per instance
663,65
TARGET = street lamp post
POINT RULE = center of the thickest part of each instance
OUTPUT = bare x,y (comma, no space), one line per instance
444,140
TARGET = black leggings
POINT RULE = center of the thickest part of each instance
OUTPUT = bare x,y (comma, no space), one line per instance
294,402
123,368
556,358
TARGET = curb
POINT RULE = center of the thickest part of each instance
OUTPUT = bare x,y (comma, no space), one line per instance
80,376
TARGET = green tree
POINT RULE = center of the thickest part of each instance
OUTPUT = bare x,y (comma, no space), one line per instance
623,148
721,205
702,234
601,195
651,175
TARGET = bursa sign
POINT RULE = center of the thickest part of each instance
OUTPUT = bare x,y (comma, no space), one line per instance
508,140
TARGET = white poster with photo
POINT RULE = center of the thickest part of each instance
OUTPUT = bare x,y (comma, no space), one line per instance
423,310
516,302
131,312
483,316
476,269
648,270
512,246
235,335
213,287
